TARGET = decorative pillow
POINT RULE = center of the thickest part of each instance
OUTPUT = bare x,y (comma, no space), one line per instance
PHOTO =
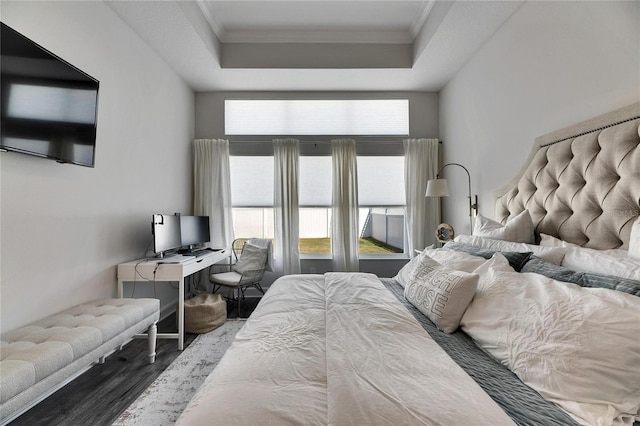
576,346
440,293
516,259
583,279
452,259
403,274
550,254
616,263
519,229
634,240
253,258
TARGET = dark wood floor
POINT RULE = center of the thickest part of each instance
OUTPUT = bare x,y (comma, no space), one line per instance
100,395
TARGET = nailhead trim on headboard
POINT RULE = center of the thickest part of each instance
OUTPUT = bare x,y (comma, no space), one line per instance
585,133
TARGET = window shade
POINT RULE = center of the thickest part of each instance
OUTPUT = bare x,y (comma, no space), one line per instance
380,181
251,181
317,117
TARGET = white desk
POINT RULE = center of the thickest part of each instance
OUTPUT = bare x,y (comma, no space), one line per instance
143,270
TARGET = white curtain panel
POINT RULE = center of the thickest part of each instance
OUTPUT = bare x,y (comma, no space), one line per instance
344,203
286,156
423,214
212,188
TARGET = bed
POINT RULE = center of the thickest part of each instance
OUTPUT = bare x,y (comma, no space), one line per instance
532,320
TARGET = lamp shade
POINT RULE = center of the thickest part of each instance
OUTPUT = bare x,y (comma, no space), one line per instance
437,188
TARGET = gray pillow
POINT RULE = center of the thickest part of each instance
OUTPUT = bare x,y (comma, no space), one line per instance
253,258
583,279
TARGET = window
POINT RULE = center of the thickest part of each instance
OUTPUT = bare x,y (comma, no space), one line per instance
381,197
252,196
317,117
315,205
382,200
380,193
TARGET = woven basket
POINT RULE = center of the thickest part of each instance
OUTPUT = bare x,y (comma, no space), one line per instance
204,313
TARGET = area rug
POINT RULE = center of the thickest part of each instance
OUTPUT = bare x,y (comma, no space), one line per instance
163,401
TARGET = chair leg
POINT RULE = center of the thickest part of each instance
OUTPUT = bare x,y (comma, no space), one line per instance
238,303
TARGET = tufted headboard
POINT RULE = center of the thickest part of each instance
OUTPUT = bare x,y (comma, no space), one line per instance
581,184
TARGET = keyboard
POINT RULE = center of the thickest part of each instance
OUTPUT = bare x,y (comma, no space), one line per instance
175,258
202,252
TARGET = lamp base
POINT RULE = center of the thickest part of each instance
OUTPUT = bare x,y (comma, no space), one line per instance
444,233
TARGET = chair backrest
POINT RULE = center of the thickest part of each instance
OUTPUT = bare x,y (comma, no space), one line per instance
237,245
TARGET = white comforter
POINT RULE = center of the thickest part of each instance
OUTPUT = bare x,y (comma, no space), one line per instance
337,349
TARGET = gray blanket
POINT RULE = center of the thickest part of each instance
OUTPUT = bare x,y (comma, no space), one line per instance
523,404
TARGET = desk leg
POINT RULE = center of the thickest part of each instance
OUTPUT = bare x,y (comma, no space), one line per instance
120,288
181,314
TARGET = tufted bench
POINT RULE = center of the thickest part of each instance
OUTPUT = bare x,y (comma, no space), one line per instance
41,357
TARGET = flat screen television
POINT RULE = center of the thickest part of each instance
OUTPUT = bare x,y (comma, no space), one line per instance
166,233
194,231
48,107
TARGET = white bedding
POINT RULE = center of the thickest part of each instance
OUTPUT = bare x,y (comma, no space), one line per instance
578,347
337,349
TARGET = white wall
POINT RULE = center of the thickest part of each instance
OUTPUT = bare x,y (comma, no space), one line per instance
552,64
65,227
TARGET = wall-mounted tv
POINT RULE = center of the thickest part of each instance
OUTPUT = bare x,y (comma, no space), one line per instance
48,106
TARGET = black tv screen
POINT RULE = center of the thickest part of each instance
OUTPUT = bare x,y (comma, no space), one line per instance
48,106
194,230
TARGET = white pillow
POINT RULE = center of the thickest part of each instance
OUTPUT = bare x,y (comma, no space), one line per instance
403,274
518,229
634,240
455,260
616,263
253,258
550,254
578,347
442,294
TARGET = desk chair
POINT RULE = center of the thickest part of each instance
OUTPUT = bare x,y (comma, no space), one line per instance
247,270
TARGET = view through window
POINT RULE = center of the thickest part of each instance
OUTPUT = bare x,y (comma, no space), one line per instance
380,192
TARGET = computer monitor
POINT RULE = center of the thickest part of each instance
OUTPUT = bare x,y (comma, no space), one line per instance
166,233
194,230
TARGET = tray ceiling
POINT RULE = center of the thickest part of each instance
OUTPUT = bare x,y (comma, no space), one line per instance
309,45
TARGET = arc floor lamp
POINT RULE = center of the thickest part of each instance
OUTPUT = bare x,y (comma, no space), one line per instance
439,187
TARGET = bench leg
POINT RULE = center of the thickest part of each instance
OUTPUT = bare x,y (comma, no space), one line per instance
152,342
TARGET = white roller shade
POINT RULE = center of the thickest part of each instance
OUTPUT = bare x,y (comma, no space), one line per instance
251,181
380,181
315,182
317,117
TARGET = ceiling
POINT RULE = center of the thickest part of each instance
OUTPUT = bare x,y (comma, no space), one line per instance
315,45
